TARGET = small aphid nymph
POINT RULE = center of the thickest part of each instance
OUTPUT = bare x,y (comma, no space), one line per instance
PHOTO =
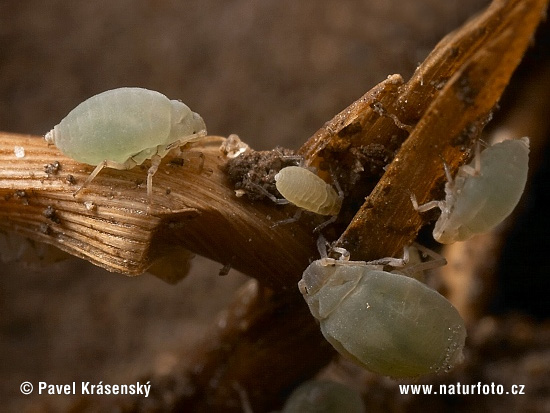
121,128
483,193
306,190
388,323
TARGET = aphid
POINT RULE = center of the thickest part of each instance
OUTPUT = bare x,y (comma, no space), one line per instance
121,128
483,193
323,396
388,323
306,190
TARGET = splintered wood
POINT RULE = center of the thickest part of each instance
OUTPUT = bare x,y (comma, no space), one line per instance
436,115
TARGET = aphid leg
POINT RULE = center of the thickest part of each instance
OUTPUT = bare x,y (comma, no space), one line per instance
324,224
419,267
344,253
393,262
129,164
427,206
322,246
155,162
326,260
476,169
290,220
243,396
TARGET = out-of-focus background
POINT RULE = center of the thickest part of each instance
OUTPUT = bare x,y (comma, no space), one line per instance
272,71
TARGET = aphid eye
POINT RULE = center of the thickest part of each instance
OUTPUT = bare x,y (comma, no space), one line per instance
121,128
388,323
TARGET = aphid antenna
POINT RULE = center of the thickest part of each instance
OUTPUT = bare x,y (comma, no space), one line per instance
187,139
447,172
329,221
335,181
278,201
298,159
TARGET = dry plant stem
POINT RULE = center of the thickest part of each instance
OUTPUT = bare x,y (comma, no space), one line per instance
111,224
262,357
481,57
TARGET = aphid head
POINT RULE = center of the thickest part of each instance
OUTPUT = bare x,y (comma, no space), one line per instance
314,277
445,233
198,123
184,122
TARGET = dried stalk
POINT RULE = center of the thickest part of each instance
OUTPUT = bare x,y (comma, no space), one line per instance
110,225
444,107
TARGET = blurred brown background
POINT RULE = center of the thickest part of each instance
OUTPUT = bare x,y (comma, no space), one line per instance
272,71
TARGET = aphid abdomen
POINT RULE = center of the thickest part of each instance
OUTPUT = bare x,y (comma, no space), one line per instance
114,125
306,190
485,200
391,324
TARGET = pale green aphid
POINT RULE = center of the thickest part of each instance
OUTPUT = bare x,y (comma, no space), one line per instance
323,396
388,323
121,128
483,193
306,190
